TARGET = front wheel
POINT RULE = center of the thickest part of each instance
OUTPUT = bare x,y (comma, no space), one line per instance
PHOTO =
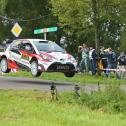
69,74
4,65
34,69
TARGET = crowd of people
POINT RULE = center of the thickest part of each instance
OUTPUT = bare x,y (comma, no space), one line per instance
106,61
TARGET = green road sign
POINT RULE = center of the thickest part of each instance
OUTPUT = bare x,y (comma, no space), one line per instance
38,31
44,30
52,29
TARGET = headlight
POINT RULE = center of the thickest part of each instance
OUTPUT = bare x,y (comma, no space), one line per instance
48,58
71,58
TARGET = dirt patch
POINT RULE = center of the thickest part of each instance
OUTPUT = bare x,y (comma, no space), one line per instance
10,118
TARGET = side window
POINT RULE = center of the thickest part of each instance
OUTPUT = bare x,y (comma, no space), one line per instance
15,46
26,46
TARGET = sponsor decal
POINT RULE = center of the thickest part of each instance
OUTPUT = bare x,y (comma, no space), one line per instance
25,57
14,56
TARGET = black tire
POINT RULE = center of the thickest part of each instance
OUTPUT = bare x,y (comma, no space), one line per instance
4,65
34,69
69,74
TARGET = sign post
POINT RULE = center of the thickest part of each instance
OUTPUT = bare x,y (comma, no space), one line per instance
45,35
45,30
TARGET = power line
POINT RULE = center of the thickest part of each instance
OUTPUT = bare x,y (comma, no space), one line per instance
5,18
23,20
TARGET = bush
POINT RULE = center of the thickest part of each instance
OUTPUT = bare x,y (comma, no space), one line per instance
112,99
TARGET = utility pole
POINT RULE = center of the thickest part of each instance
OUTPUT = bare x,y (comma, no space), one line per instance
95,8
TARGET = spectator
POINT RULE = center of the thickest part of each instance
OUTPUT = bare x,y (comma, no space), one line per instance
103,58
79,57
85,58
111,58
93,60
121,73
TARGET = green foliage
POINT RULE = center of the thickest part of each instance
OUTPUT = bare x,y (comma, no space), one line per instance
123,41
103,17
2,6
24,10
72,14
34,108
81,21
112,99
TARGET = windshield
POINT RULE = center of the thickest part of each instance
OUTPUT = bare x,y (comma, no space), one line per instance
48,46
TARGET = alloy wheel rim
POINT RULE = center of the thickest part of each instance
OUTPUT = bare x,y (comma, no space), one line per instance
34,68
3,65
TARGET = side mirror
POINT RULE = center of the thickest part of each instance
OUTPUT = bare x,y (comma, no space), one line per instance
4,42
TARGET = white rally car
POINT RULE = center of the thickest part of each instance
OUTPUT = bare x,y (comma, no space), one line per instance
37,56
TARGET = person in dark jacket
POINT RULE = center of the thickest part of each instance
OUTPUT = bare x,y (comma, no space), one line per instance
121,73
111,59
93,60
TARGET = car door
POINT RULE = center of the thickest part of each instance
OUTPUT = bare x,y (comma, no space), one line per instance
26,50
14,53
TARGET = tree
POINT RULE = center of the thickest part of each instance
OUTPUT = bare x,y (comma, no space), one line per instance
104,17
30,15
107,21
72,15
94,22
2,6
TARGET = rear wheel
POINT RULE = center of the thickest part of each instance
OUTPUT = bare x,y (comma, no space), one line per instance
69,74
34,69
4,65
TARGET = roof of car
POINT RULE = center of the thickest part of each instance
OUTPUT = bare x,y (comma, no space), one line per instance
34,39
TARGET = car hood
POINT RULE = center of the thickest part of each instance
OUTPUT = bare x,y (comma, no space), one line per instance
59,55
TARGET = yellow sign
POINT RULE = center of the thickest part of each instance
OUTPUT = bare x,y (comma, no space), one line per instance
16,30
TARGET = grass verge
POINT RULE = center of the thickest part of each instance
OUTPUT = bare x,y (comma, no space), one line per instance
34,108
78,78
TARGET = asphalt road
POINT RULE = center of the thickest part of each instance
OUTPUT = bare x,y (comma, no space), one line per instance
38,84
31,84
